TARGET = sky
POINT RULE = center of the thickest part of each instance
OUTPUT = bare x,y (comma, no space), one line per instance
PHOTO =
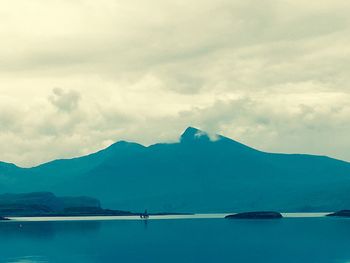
78,75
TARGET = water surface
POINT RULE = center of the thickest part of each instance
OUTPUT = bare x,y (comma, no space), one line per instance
187,240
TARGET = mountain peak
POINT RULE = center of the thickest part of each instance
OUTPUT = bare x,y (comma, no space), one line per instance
193,134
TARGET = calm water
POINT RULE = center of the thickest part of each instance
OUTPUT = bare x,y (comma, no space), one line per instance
196,240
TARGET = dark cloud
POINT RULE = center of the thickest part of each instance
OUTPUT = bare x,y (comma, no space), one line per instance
66,101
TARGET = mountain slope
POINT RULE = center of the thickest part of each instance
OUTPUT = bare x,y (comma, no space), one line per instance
198,174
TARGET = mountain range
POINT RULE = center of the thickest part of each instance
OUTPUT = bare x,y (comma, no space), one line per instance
200,173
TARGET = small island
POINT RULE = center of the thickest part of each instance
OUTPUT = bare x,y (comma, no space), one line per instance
256,215
342,213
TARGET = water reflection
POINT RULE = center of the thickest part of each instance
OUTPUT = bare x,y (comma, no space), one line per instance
46,230
29,259
203,240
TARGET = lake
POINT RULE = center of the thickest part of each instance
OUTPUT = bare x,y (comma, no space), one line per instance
186,240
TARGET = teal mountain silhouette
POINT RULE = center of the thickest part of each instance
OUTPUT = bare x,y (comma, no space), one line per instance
200,173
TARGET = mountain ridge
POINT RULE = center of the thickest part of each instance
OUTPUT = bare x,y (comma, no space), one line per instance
190,128
200,173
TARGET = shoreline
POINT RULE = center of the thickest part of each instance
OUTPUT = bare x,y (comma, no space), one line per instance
152,217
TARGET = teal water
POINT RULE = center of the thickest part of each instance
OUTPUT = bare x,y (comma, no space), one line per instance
197,240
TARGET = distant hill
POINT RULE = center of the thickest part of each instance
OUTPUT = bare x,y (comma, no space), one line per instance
48,204
197,174
41,203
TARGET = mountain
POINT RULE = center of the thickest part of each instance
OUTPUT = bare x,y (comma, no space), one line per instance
200,173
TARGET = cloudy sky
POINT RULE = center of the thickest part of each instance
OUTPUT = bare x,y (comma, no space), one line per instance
78,75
